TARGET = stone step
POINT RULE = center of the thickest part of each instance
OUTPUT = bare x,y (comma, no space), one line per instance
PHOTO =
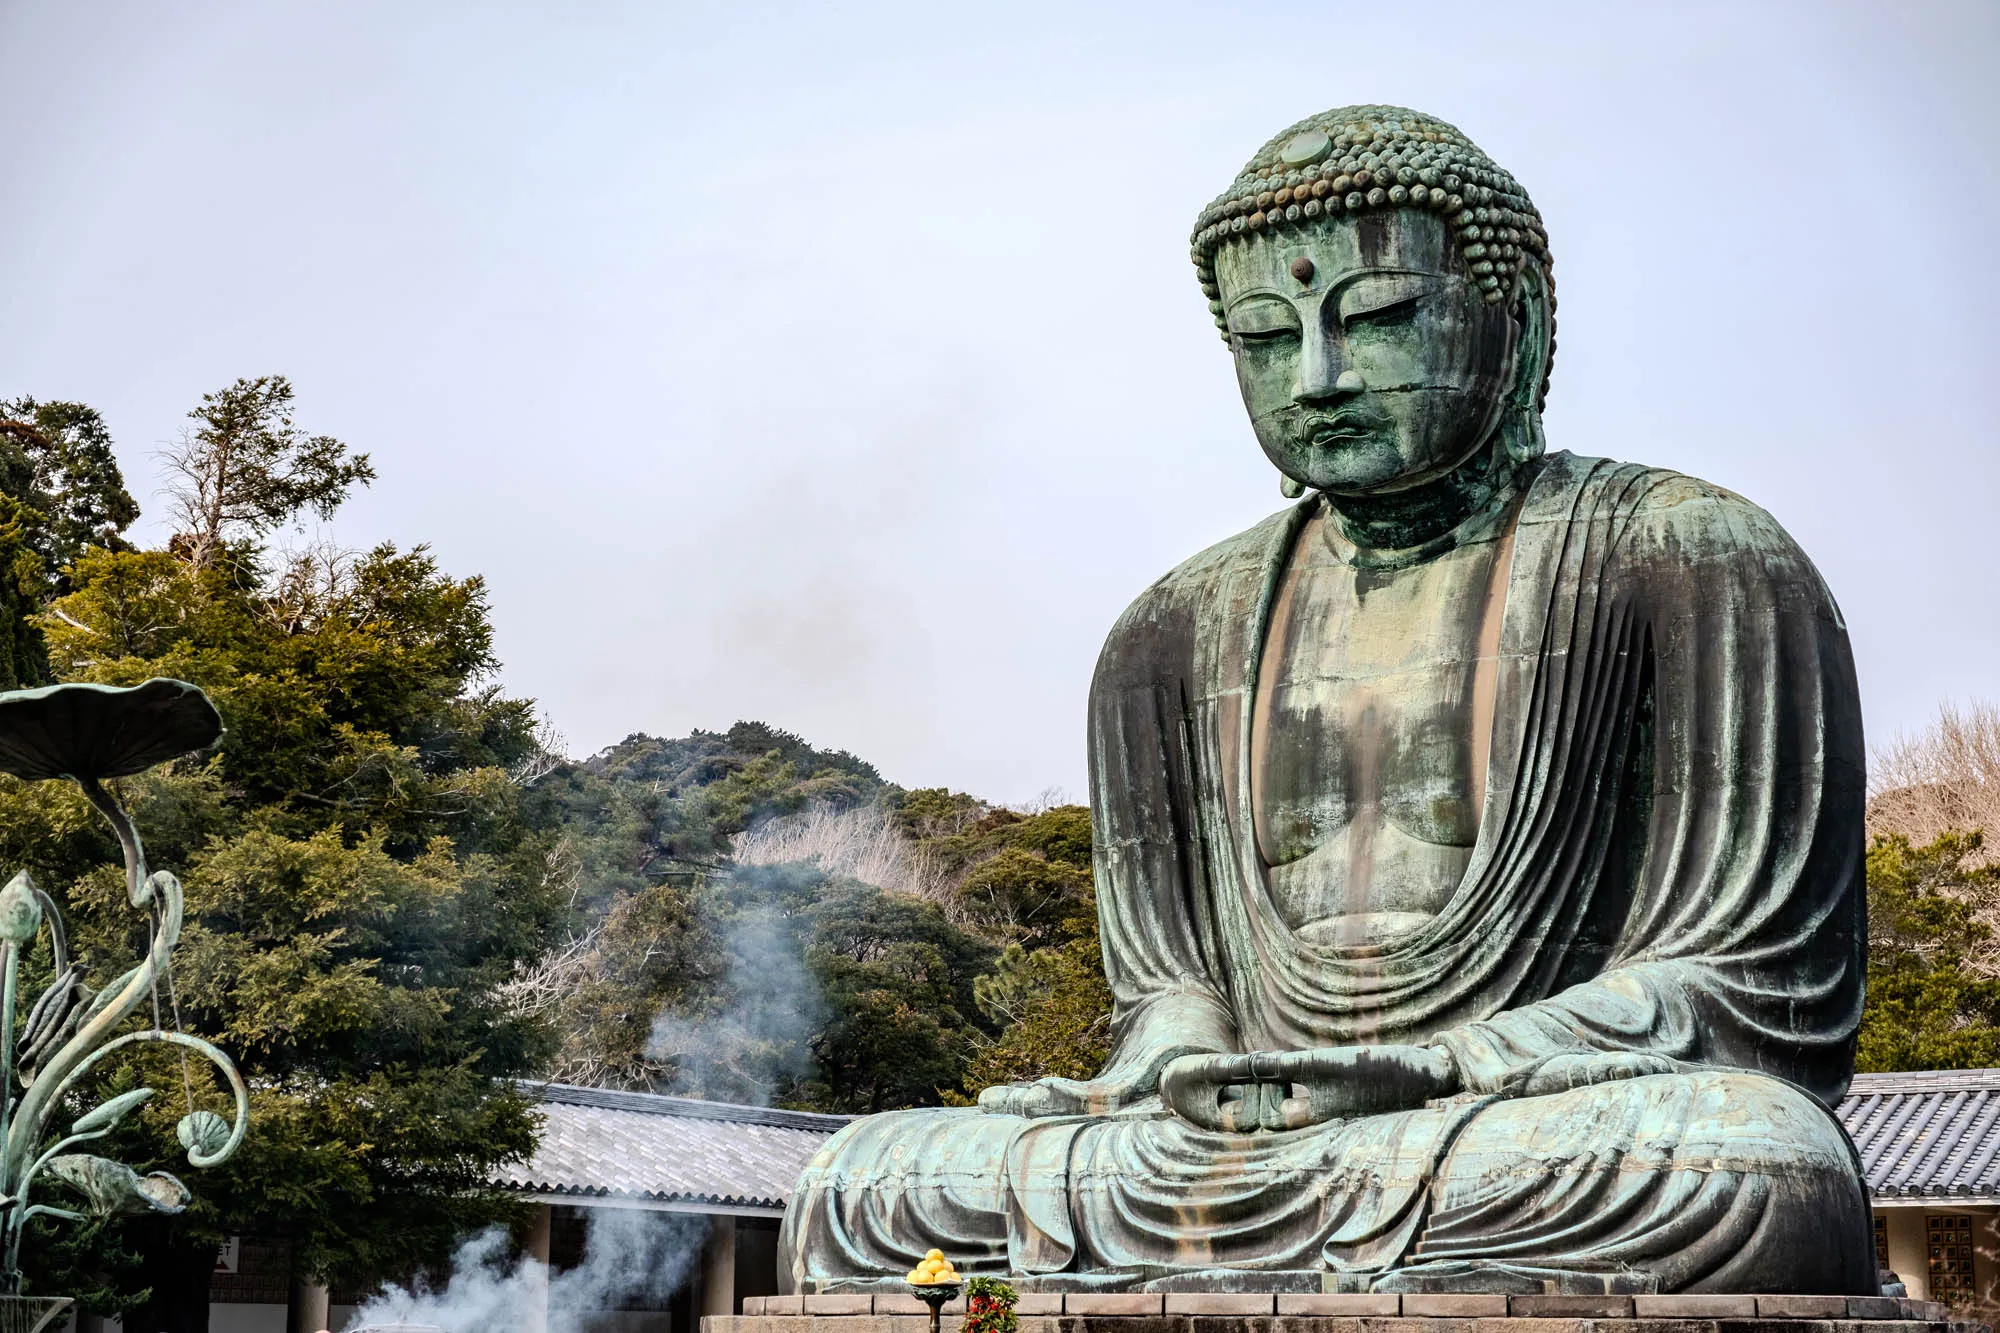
1762,1309
1333,1323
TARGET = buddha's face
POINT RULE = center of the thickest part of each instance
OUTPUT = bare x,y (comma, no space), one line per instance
1366,356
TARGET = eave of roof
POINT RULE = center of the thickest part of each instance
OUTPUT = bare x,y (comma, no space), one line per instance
682,1108
1927,1135
674,1154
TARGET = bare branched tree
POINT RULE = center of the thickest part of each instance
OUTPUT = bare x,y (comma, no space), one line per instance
554,977
245,468
533,991
551,752
862,843
311,581
1945,777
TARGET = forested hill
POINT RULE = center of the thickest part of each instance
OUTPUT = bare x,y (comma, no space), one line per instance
754,918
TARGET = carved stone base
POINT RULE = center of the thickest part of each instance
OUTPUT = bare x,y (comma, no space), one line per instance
1376,1312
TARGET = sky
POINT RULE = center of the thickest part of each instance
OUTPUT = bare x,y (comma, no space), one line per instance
841,366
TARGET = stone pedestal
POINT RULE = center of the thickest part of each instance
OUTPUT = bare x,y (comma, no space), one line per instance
1305,1312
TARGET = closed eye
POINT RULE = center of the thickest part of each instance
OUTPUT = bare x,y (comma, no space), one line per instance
1397,312
1384,298
1263,320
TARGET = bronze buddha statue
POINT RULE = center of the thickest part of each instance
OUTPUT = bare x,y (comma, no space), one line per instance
1479,840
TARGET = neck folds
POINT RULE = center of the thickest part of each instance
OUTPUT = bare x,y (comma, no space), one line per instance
1413,524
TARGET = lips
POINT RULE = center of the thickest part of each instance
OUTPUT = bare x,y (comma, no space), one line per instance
1326,432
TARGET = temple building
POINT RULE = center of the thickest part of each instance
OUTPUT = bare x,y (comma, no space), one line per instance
1930,1152
714,1177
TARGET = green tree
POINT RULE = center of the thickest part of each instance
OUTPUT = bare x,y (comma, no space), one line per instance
60,494
897,981
1929,1006
366,875
246,468
1029,885
59,463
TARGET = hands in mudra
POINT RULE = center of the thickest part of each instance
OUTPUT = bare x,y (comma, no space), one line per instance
1271,1090
1245,1093
1274,1090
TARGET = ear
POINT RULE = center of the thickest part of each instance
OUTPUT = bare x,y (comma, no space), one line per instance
1534,346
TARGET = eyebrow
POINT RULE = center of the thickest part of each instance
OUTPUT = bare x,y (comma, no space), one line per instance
1345,279
1379,270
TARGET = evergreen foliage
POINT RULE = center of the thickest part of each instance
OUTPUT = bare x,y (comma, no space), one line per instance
60,493
363,868
245,469
1929,1006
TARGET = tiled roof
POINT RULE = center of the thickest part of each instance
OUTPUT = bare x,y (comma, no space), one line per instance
673,1151
1928,1135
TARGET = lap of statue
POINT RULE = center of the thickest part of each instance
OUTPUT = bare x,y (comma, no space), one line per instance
1703,1181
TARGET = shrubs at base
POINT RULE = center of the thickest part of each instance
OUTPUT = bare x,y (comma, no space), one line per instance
989,1307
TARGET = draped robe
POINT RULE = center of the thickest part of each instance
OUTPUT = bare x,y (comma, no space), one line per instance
1668,863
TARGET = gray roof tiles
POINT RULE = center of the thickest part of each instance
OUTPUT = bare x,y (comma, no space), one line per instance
666,1150
1929,1135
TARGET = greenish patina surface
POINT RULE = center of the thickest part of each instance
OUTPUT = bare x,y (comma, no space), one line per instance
1479,840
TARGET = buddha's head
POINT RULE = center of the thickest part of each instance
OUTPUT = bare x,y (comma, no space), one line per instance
1385,291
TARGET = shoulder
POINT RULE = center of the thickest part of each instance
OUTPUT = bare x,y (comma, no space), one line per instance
1161,622
1667,524
1202,576
1702,522
1648,507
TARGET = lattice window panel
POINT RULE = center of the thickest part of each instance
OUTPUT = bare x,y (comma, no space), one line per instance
1950,1237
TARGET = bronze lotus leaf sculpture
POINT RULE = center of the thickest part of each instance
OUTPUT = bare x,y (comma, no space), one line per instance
87,734
93,732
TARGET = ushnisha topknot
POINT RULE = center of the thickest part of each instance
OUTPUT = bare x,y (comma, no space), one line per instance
1356,158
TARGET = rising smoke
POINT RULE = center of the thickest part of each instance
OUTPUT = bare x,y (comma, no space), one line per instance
631,1259
757,1043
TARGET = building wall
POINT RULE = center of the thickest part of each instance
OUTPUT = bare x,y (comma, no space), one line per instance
1925,1249
261,1271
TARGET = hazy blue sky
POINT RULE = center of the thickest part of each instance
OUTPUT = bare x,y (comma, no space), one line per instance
841,365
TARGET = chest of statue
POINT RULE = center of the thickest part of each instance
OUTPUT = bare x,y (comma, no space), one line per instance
1368,738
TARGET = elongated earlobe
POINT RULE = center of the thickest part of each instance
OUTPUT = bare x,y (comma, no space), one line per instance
1521,427
1290,488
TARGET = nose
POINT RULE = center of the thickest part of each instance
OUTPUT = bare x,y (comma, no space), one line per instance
1324,376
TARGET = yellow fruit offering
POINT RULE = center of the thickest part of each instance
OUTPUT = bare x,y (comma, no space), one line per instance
932,1269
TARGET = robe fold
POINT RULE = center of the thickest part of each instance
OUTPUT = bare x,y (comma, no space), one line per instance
1668,862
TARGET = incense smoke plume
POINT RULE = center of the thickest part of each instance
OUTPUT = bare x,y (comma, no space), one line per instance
758,1043
630,1258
